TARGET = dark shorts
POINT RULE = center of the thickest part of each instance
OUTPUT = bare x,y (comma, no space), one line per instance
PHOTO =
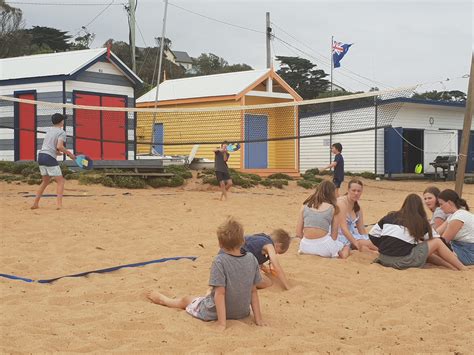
337,182
222,176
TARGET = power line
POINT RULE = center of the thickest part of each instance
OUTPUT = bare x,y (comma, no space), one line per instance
328,60
216,20
95,18
60,4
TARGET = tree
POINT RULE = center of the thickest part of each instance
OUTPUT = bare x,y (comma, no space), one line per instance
453,95
83,42
302,76
13,40
49,39
209,63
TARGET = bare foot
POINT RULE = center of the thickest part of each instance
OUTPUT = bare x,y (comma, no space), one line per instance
157,298
34,207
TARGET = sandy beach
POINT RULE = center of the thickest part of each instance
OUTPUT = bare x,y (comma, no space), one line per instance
334,306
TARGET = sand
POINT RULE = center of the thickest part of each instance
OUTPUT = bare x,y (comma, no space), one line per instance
334,306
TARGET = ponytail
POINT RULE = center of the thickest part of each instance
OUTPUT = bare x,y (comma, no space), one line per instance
451,195
463,203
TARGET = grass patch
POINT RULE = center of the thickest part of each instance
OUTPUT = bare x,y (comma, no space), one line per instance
307,184
280,176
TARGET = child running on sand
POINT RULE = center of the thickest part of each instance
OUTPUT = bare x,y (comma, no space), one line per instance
222,170
265,248
234,276
53,145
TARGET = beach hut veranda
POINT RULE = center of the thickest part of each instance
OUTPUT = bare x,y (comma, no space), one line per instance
253,87
86,77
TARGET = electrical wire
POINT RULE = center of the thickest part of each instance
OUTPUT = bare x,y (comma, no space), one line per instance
95,18
60,4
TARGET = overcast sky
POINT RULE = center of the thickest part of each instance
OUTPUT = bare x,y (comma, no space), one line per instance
396,43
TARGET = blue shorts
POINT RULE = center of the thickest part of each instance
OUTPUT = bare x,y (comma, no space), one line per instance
342,238
464,251
337,182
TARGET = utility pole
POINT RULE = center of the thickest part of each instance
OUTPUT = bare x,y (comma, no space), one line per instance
462,160
131,24
269,38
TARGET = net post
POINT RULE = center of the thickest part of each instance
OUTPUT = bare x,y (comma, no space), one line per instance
376,134
462,159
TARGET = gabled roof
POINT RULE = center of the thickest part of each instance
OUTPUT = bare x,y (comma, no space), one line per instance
182,57
228,84
58,64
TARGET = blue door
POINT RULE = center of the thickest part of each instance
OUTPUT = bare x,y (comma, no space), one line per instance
470,151
393,149
256,154
158,137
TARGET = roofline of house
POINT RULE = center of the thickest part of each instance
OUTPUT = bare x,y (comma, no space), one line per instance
424,102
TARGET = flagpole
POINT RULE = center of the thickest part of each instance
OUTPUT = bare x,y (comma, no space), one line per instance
331,104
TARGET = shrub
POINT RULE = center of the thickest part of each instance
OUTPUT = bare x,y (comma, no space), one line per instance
306,184
108,181
6,166
254,177
368,175
279,183
176,181
280,176
210,180
239,180
179,170
469,180
208,171
266,182
33,181
157,182
10,178
73,176
129,182
314,171
88,179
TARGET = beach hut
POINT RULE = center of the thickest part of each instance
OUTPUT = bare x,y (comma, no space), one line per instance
92,77
254,87
420,131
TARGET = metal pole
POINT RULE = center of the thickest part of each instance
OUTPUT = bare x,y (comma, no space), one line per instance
268,39
131,4
376,132
462,160
331,105
158,75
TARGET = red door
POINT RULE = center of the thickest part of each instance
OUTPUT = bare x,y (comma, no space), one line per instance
88,130
114,129
27,128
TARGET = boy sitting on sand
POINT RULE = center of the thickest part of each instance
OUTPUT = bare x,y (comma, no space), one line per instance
265,248
234,276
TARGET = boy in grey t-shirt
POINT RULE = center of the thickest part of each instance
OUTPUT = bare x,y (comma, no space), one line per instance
233,279
53,145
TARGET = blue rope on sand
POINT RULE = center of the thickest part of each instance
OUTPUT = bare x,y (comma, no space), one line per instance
100,271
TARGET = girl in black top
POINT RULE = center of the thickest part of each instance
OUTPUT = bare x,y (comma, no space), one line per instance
405,239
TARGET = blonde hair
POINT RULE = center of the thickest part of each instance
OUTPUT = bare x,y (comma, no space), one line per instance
282,237
230,234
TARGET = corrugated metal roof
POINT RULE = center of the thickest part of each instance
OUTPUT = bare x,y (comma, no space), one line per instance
204,86
52,64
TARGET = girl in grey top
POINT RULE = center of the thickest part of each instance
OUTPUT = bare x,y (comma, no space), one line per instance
430,196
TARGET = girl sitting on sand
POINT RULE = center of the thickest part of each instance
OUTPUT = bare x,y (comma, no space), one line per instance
430,196
460,225
317,218
400,238
351,220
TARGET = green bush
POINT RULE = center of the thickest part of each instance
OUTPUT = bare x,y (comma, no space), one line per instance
266,182
129,182
241,181
88,179
210,180
10,178
368,175
179,170
176,181
254,177
33,181
469,180
208,171
280,176
6,166
157,182
307,184
108,181
314,171
73,176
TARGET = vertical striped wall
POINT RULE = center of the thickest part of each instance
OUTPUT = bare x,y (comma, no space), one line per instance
101,78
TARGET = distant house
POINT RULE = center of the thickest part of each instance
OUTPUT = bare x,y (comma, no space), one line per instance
183,59
252,87
86,77
420,130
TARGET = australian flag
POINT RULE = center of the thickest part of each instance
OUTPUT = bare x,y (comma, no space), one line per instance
339,50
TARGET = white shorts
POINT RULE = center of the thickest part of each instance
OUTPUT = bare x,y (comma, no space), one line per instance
325,247
50,170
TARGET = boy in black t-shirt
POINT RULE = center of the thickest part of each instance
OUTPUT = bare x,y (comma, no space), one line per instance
222,170
338,165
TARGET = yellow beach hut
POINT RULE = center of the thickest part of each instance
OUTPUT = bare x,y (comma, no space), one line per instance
266,154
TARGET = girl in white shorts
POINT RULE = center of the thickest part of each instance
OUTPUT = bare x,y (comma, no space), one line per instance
317,224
